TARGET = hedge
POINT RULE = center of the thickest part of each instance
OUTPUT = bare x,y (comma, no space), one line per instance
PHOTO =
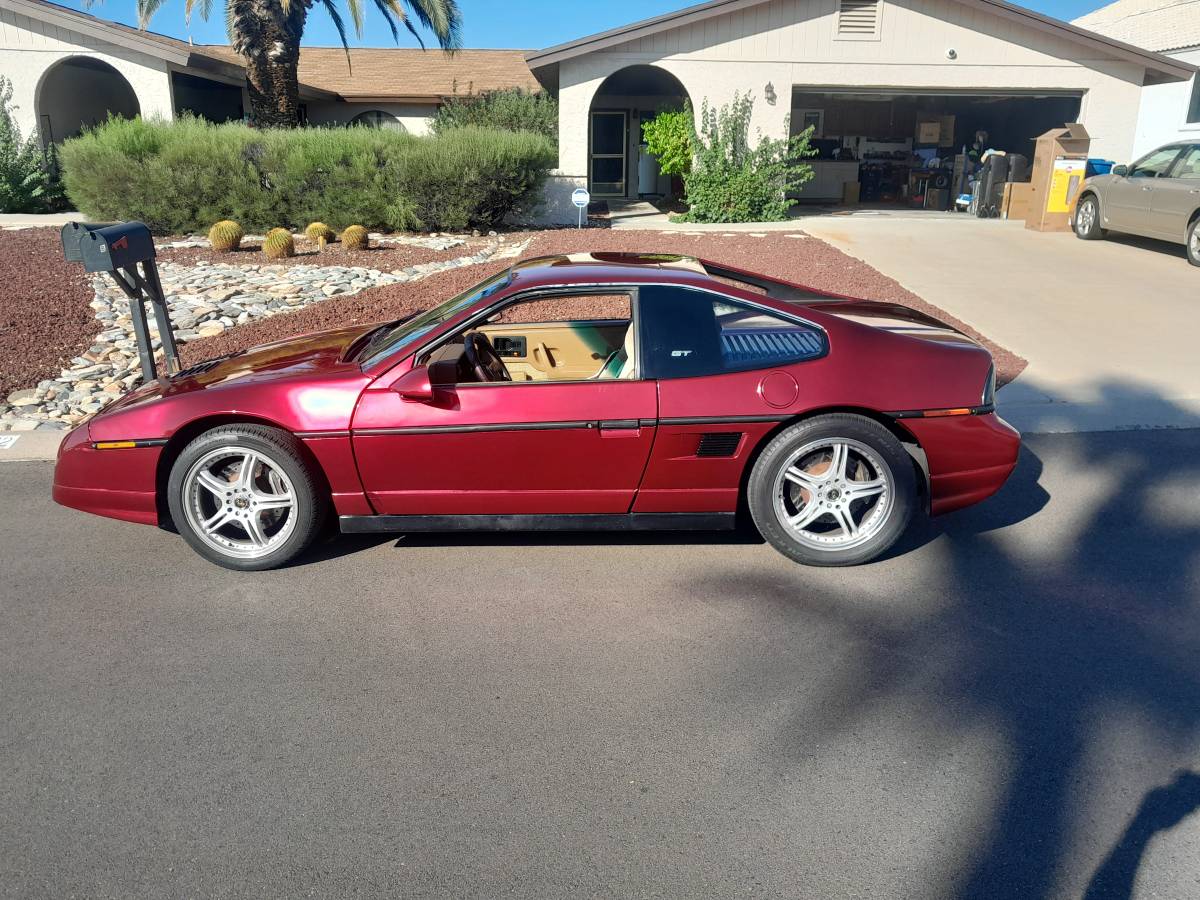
182,176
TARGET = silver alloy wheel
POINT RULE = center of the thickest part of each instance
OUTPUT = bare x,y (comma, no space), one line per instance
239,502
1085,218
834,494
1194,243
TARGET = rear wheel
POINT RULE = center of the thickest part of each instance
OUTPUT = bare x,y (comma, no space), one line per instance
1087,219
836,490
1193,242
243,497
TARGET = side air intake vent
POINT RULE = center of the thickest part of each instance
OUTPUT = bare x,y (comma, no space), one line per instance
719,443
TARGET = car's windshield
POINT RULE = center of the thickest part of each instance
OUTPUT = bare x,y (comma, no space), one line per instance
408,331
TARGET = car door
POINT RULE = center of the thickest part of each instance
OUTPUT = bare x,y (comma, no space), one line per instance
1127,199
726,376
571,445
1176,197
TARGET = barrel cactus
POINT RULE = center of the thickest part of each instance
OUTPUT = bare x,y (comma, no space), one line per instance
356,238
278,244
225,236
320,233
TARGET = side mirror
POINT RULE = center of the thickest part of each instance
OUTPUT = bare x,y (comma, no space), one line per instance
1120,170
414,386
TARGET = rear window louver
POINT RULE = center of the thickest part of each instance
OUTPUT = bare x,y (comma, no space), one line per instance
757,345
719,443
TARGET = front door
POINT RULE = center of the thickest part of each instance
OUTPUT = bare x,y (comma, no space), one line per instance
570,433
609,140
1127,199
1177,197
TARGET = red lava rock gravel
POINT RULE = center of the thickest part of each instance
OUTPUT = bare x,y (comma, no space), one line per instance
799,259
45,319
384,257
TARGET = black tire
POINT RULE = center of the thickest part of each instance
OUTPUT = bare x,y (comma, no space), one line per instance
1193,242
890,520
1092,231
283,452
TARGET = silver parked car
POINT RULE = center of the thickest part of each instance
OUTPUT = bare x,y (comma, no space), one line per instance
1158,197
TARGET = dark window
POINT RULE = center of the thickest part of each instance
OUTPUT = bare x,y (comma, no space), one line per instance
1156,164
690,333
1193,112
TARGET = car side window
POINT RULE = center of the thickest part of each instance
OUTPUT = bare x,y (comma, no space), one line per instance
1189,165
1156,164
688,333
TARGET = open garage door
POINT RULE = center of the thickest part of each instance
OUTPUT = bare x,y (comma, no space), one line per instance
917,147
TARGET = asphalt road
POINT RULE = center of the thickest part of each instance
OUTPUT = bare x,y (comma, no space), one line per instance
1003,710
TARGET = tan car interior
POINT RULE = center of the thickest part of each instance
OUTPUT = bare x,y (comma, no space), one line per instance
536,341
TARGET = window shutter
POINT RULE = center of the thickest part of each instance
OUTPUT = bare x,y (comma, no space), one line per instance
858,18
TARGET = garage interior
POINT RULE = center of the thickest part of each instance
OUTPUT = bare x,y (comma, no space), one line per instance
923,150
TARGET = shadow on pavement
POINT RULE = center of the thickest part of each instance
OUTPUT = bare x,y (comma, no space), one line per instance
1039,648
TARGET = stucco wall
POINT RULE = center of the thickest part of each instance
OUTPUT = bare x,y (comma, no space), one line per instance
792,43
28,49
415,117
1163,115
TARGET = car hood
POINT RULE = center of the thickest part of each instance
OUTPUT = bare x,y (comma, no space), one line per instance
321,353
896,319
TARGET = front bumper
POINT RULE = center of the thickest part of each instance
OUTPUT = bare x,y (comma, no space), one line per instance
119,484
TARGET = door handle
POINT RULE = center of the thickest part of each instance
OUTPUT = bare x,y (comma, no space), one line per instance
1147,188
1194,191
620,428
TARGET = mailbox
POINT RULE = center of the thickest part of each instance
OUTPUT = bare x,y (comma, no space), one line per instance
72,232
112,247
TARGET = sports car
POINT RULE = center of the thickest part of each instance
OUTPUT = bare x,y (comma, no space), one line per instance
584,392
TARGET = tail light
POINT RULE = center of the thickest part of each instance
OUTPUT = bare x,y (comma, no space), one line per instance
989,387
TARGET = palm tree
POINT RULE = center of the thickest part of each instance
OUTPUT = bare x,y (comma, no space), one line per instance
267,34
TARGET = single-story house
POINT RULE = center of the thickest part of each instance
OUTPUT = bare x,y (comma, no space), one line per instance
878,80
70,69
1169,112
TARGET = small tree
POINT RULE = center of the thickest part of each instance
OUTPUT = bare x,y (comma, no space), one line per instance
511,109
732,181
668,137
28,183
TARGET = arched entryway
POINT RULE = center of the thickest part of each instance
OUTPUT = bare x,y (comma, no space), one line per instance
79,92
618,165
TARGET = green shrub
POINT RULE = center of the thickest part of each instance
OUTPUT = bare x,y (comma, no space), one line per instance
278,243
668,137
356,238
512,109
28,179
732,181
179,176
225,236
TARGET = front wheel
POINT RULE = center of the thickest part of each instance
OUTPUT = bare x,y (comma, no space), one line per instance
836,490
243,497
1193,243
1087,219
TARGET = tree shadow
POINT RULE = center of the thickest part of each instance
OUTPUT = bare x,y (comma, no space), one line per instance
1038,636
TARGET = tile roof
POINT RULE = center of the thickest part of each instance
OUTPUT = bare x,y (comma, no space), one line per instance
1154,24
395,72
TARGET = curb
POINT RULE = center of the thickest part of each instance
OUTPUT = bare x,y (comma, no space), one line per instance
22,446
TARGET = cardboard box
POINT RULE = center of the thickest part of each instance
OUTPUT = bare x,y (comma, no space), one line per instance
1017,197
851,190
929,132
1058,159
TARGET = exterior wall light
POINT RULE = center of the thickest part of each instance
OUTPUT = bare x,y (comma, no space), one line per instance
769,91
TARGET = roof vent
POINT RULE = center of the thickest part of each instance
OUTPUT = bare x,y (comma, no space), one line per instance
858,19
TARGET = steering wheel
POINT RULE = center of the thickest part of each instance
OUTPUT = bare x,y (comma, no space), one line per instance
483,359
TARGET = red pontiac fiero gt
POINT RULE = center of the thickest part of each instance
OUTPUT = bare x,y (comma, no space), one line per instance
590,392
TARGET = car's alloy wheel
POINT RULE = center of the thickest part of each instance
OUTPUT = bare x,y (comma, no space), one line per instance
834,493
1087,219
239,502
834,490
1193,243
243,497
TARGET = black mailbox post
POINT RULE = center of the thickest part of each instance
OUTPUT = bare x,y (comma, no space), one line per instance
126,252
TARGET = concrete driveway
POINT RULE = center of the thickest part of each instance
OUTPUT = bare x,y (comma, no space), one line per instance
1109,327
1003,710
